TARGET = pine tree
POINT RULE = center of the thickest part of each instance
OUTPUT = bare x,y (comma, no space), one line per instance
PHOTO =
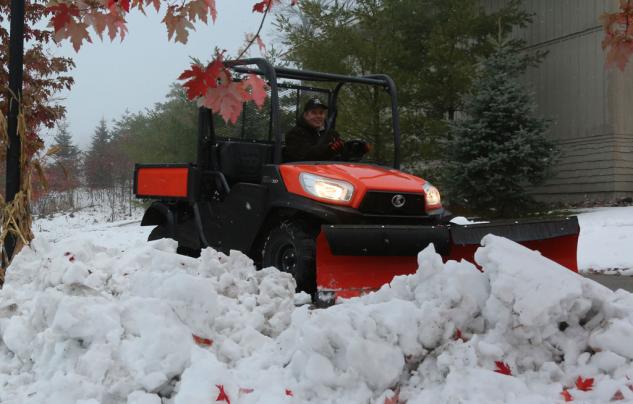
63,172
499,147
64,140
98,161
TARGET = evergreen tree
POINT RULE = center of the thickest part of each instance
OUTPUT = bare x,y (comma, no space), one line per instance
63,173
429,47
98,163
64,140
499,147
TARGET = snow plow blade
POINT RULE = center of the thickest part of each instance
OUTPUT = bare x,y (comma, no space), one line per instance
356,259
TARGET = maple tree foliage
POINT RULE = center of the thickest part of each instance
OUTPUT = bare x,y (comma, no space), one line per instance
212,85
44,75
618,40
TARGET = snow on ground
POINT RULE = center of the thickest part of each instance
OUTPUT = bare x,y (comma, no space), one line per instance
606,240
92,313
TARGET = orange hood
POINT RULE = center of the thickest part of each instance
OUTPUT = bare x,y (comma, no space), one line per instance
362,176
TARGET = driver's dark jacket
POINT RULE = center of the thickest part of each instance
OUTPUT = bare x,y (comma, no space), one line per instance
305,143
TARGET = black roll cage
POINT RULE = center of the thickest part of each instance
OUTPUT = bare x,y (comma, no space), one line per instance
206,132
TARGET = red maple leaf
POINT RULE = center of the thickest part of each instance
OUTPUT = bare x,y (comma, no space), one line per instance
260,43
584,384
226,99
566,395
222,396
125,4
245,390
62,15
458,335
289,393
201,79
258,89
618,396
503,368
196,86
202,341
261,6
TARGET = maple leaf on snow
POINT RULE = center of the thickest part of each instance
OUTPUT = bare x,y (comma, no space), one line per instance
202,341
584,384
503,368
566,395
222,396
258,88
618,396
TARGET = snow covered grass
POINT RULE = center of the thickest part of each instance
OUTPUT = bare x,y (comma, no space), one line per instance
92,313
606,240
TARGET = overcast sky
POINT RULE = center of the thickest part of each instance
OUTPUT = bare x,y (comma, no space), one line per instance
111,77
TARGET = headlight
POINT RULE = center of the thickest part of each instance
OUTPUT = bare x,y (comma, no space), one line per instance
432,195
326,188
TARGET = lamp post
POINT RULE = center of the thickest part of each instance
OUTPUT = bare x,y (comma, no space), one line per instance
16,60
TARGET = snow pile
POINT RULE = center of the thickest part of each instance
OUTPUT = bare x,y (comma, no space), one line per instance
82,322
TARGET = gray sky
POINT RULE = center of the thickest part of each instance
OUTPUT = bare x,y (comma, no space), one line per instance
111,77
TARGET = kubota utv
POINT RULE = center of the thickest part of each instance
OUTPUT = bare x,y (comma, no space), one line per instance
340,228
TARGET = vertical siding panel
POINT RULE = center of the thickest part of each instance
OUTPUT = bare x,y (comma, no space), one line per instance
572,88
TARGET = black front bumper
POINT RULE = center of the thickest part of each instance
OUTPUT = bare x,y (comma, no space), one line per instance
385,240
404,240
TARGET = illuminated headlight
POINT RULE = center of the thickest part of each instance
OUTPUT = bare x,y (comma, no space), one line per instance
432,195
326,188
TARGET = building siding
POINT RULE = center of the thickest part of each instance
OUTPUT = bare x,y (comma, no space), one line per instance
590,107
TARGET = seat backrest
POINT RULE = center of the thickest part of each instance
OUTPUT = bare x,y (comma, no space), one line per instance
243,161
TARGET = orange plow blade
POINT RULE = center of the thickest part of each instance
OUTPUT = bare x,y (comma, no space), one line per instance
355,259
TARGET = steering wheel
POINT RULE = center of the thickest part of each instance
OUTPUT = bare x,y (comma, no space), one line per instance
354,150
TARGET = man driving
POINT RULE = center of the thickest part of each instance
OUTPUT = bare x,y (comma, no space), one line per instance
308,140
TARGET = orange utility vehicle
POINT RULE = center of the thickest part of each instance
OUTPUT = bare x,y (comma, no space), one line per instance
339,227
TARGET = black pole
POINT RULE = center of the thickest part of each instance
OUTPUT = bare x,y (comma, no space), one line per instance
16,56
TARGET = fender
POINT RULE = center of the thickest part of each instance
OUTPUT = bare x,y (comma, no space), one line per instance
159,214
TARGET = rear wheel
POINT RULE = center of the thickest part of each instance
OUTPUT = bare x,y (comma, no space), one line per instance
291,247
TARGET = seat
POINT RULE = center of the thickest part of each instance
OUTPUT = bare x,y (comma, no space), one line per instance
243,161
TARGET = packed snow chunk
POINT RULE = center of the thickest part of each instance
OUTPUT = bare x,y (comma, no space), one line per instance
140,397
538,291
616,337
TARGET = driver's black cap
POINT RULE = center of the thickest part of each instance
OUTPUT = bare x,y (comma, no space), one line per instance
314,103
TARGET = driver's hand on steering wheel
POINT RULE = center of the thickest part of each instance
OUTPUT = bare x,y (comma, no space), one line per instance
337,145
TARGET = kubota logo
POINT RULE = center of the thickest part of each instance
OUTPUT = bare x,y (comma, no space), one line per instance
398,200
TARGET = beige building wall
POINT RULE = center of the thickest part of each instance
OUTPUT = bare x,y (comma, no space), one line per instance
591,107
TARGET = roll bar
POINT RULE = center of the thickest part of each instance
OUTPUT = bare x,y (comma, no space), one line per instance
272,74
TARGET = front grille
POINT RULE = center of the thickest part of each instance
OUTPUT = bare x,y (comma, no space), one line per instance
381,203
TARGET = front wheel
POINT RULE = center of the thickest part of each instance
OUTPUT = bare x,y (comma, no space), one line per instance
291,247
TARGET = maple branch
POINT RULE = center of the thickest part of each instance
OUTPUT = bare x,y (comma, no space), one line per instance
250,43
